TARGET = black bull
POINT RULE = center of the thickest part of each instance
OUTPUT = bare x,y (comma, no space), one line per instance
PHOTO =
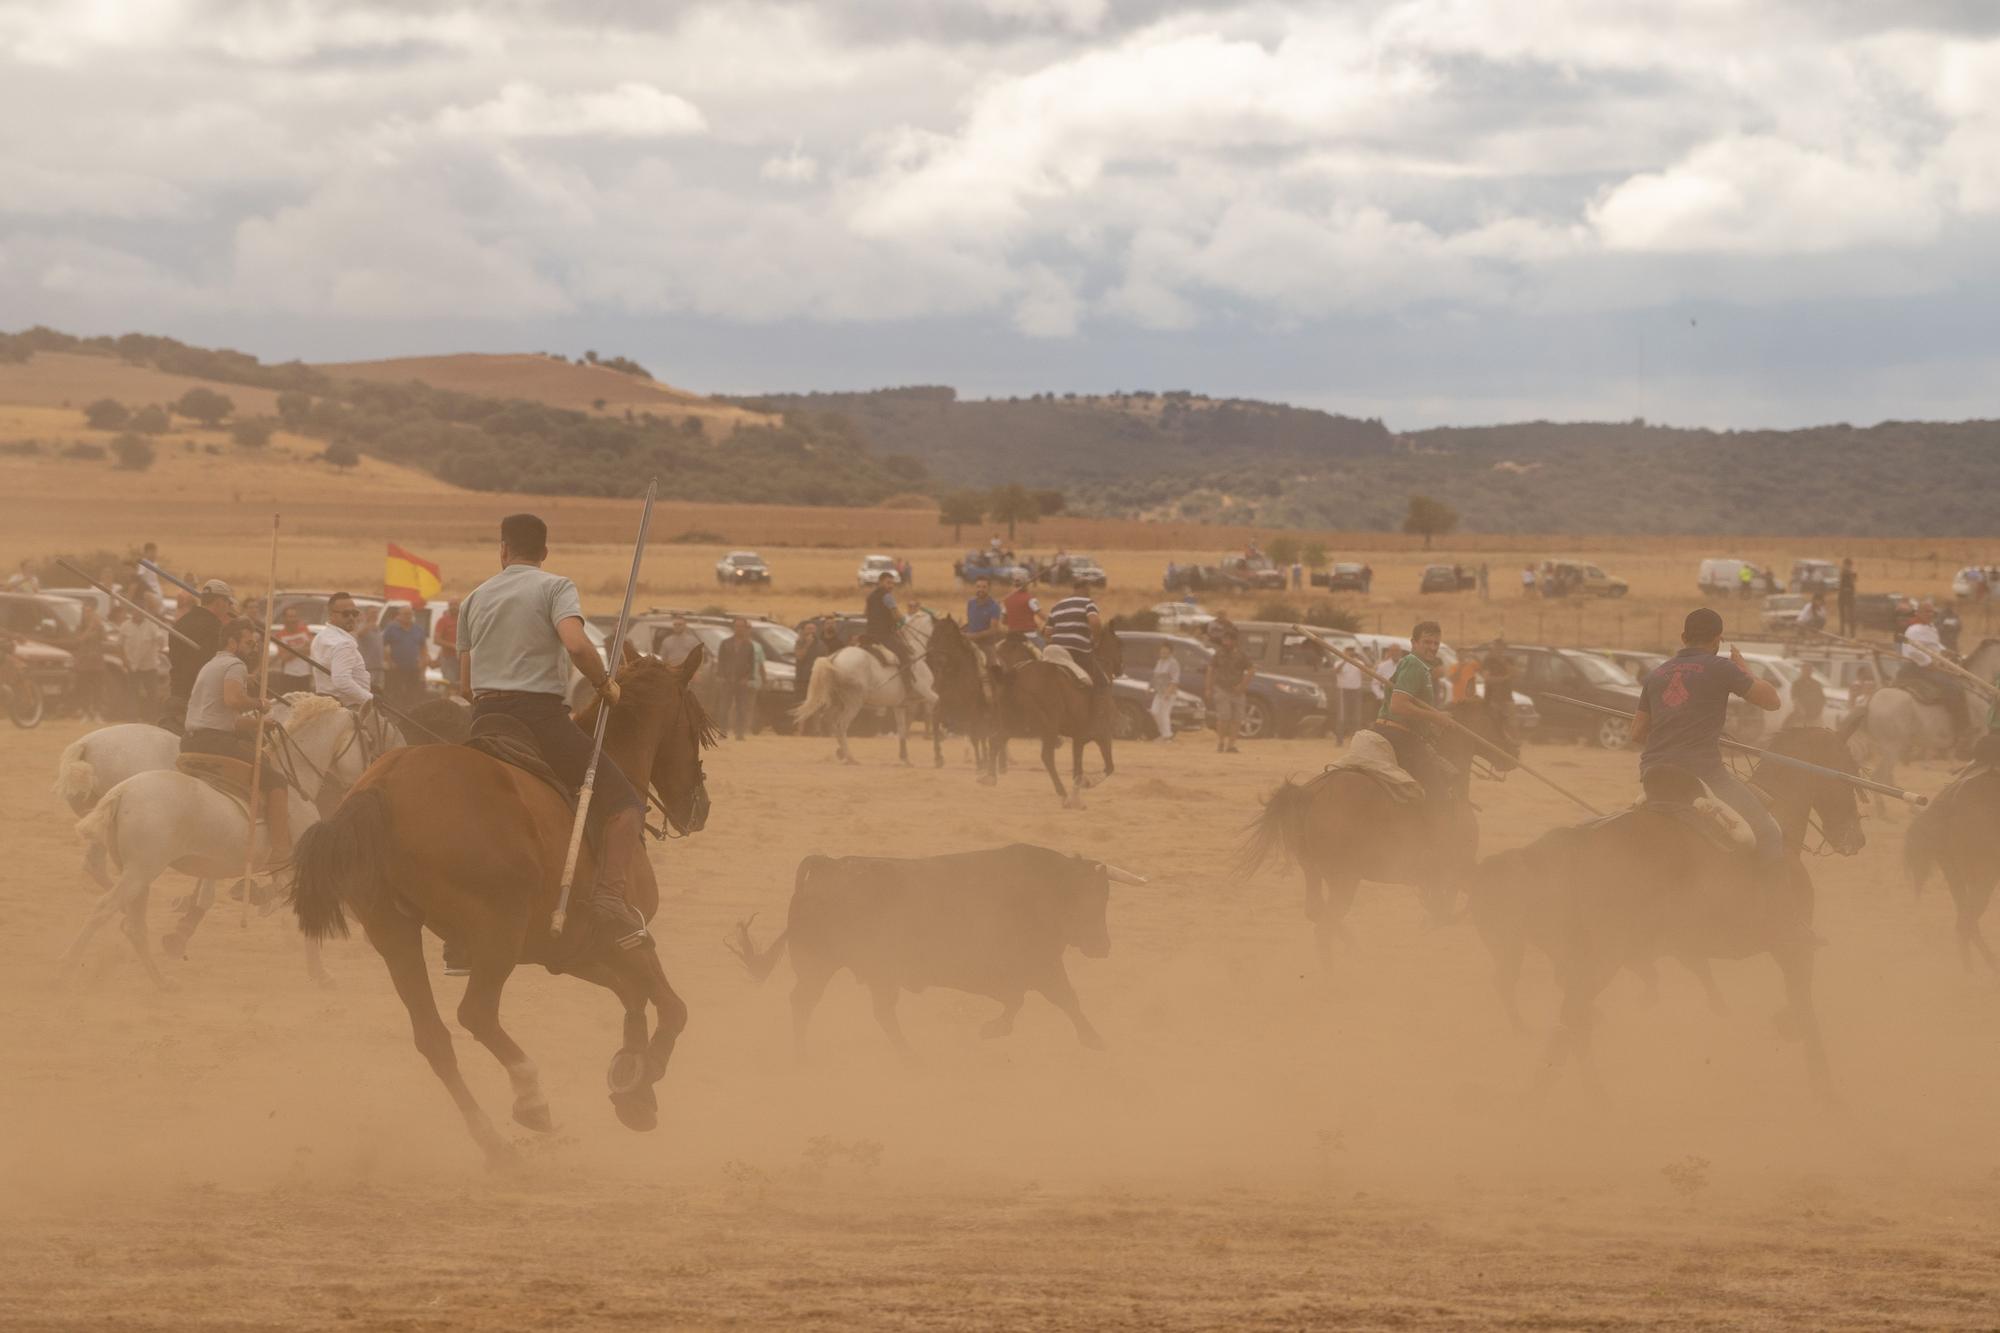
990,923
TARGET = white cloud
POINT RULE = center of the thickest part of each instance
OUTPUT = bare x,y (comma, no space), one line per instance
1048,305
628,111
793,168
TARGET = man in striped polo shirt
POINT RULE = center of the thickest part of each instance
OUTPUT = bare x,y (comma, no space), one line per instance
1073,624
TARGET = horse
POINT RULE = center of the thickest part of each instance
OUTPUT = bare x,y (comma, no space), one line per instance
965,693
1045,699
1959,834
490,880
161,819
1899,726
1650,882
853,678
99,760
1345,826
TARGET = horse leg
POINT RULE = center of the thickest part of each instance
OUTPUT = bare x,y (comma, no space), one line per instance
401,944
809,978
937,737
135,931
1076,766
97,864
672,1011
841,719
1799,1019
1049,744
133,881
1056,987
1003,1025
631,1090
903,735
175,942
479,1014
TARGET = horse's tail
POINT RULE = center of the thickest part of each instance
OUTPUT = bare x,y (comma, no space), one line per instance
76,778
99,825
819,692
760,962
341,860
1280,828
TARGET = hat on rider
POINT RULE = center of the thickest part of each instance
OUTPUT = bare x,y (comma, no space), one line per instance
216,588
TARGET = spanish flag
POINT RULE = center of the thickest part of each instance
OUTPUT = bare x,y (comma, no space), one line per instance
409,578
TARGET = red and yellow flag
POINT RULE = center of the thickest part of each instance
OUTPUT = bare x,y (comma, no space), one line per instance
409,578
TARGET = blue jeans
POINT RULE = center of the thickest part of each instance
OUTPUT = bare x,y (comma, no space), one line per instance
1733,793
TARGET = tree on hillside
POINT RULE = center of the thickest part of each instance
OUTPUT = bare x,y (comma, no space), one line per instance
1431,518
1012,504
1050,502
252,432
294,408
133,454
1314,554
1282,550
205,406
960,508
341,454
107,414
151,419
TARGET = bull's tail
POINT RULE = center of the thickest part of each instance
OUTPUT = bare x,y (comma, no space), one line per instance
760,962
76,778
1280,828
342,860
820,692
99,826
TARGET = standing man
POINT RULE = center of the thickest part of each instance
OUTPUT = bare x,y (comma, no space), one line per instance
294,672
1528,579
885,624
146,578
1350,698
445,634
1483,575
680,641
1683,707
86,648
736,674
1298,574
520,632
202,623
405,654
223,714
1074,624
335,648
143,645
1847,597
369,637
1228,683
1166,688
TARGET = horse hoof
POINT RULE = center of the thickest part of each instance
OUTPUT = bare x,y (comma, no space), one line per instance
637,1111
535,1116
627,1073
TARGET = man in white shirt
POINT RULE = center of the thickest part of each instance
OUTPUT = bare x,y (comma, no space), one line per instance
142,570
1350,700
144,647
335,648
1924,650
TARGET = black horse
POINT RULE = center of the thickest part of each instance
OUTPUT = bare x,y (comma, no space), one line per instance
966,692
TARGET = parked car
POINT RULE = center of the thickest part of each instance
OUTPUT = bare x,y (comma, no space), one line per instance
1723,577
1634,662
1255,571
47,667
1278,705
1072,569
1783,674
1204,578
650,629
1347,576
873,567
40,616
1781,611
741,567
1183,616
1580,576
1890,611
1551,676
1810,576
1133,703
988,564
1446,578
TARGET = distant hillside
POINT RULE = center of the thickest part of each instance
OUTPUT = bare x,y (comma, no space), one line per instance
1177,455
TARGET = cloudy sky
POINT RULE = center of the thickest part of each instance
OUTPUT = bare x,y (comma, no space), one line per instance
1725,212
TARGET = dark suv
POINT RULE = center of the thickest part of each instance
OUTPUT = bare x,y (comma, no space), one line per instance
1551,675
1278,705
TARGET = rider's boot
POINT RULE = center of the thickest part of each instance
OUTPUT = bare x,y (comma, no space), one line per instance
625,870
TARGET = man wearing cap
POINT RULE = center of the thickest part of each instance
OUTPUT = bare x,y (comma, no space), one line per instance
215,603
1683,706
519,634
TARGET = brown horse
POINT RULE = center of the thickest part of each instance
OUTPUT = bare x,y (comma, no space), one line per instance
1959,833
1344,826
1649,882
447,837
965,693
1046,700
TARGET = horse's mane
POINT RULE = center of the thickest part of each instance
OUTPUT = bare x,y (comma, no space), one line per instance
647,680
305,708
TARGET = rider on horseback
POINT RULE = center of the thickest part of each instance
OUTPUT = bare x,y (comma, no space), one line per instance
519,632
1682,709
1409,713
885,625
1924,678
1074,624
223,713
1019,617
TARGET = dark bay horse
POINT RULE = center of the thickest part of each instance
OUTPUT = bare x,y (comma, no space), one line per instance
965,691
445,836
1959,834
1344,826
1046,700
1648,882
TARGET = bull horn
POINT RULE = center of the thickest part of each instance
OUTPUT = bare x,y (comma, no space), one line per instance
1117,876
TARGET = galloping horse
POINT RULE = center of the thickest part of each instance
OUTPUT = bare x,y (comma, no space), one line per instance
1045,699
445,836
1899,726
845,682
1959,833
965,693
1344,826
1621,891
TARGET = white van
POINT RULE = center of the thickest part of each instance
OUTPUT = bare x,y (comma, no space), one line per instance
1723,577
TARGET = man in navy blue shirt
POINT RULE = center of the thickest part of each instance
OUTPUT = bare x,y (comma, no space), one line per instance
1682,709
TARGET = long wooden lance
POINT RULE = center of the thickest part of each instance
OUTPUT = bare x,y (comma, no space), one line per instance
257,752
603,715
129,604
1986,688
1785,760
1512,761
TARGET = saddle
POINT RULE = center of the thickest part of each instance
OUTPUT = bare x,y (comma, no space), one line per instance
1059,655
1370,754
509,740
230,777
878,650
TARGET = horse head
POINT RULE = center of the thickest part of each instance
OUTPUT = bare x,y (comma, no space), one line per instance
657,705
1491,725
1796,793
1109,651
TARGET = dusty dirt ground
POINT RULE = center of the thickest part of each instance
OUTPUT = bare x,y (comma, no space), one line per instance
1263,1145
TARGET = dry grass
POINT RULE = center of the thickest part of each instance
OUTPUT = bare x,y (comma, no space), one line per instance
67,379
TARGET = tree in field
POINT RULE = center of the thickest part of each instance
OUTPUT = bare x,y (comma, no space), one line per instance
341,454
151,419
1314,554
294,408
204,406
133,454
107,414
252,432
960,508
1431,518
1050,502
1012,504
1282,550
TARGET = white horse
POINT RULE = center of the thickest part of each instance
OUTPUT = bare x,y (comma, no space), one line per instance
1898,727
854,678
162,820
